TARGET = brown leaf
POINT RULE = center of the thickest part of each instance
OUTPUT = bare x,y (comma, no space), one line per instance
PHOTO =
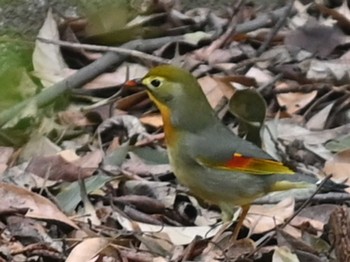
317,39
339,166
342,21
210,89
74,118
5,154
88,249
16,198
177,235
243,80
262,218
294,101
154,120
56,168
215,89
90,160
133,100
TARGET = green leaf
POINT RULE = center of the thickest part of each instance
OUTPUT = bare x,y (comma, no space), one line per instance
250,109
117,157
340,144
151,155
70,196
15,86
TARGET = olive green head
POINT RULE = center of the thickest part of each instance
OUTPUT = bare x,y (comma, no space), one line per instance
171,85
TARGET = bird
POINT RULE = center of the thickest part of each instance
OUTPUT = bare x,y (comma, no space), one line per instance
215,164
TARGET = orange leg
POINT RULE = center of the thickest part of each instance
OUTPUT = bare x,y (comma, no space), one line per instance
244,213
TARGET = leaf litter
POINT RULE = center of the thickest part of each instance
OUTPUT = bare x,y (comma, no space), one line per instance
92,166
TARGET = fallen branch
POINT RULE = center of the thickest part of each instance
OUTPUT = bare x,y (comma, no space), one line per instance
91,71
85,74
120,50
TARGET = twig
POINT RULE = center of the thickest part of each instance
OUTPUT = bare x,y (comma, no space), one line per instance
293,216
324,197
85,74
100,48
248,62
281,22
312,87
268,86
263,20
317,102
101,65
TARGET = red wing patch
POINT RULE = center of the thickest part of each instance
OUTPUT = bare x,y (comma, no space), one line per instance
256,166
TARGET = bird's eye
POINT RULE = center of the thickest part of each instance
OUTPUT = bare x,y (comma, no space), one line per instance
156,83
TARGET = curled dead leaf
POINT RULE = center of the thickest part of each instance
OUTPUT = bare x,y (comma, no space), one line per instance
17,198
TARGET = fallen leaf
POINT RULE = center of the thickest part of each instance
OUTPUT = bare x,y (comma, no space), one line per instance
325,70
210,89
119,76
177,235
262,218
88,249
154,120
318,120
338,166
5,154
294,101
339,144
56,168
16,198
74,118
90,161
70,196
38,145
310,36
138,166
284,254
48,62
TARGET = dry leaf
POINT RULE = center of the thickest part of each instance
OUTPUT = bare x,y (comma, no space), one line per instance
154,120
339,166
262,218
16,198
56,168
5,154
326,70
90,160
177,235
311,35
118,77
216,89
262,77
283,254
210,89
318,120
88,249
48,62
74,118
294,101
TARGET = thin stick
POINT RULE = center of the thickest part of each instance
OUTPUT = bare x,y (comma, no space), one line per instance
100,48
293,216
281,22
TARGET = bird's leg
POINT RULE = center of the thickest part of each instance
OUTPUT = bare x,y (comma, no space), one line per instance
244,213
